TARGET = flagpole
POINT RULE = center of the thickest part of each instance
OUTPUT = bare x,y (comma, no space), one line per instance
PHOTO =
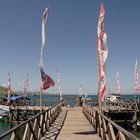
41,95
99,101
105,85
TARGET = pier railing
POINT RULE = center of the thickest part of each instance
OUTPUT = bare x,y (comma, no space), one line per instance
124,105
34,128
107,129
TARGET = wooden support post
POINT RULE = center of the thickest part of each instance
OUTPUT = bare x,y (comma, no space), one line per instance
100,106
41,101
17,117
10,119
134,121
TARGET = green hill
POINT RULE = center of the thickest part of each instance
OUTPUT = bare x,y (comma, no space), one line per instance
4,90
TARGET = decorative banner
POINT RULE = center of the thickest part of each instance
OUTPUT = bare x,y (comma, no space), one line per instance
46,80
60,92
9,86
136,83
44,19
118,84
102,54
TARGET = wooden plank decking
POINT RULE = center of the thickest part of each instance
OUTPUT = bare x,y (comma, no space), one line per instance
77,127
55,128
71,124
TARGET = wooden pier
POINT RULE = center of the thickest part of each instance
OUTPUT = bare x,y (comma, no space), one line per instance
63,123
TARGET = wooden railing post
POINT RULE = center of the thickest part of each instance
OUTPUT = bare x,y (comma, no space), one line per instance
134,121
97,121
35,127
107,129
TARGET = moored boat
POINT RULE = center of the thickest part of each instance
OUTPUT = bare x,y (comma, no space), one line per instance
138,123
112,97
4,115
13,100
4,107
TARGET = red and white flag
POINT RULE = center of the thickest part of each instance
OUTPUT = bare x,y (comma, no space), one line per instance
118,84
102,54
47,81
136,83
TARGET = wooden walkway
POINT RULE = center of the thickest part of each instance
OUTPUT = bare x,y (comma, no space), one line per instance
77,127
71,124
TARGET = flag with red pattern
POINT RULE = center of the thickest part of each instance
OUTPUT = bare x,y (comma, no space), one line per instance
102,54
47,81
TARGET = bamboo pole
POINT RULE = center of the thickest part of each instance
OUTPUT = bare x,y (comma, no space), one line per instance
100,106
99,101
41,96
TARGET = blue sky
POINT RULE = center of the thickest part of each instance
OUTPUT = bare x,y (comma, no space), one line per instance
70,42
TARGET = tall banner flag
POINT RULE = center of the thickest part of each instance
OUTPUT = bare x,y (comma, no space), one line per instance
136,83
26,86
59,86
44,19
102,55
118,84
9,87
46,81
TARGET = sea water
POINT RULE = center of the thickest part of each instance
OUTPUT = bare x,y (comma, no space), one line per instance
50,100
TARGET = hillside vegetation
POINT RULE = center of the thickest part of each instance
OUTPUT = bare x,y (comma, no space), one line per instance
3,90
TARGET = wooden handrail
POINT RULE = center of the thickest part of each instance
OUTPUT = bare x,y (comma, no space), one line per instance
124,105
107,129
34,128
